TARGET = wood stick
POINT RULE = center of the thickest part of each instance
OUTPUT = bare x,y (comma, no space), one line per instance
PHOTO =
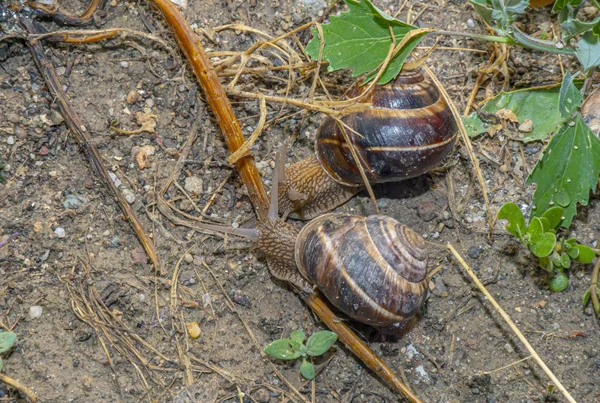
20,387
221,106
218,102
79,131
511,324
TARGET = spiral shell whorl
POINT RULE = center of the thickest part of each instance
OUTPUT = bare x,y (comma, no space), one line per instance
408,131
373,268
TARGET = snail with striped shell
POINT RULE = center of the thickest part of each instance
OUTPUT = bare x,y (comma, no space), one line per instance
408,131
371,268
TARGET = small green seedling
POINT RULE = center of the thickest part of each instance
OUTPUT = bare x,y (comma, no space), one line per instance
294,348
7,341
555,254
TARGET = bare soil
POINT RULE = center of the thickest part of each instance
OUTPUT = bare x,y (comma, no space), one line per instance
457,350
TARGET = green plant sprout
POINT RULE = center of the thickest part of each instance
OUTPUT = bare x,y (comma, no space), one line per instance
294,348
555,254
7,341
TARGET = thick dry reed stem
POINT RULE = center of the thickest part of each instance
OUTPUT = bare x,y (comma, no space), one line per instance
221,107
80,134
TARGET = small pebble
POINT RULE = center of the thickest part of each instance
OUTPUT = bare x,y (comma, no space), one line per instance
35,312
10,140
129,196
475,252
470,23
60,232
43,151
188,258
132,97
193,184
427,211
193,329
72,202
124,64
509,348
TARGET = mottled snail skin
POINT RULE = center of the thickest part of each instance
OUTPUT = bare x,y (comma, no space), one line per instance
408,131
371,268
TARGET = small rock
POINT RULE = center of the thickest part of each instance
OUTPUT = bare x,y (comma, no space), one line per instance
132,97
509,348
475,252
188,258
114,178
56,118
427,211
470,23
526,126
10,140
35,312
73,202
186,205
114,243
43,151
129,196
262,396
124,64
60,232
193,184
193,329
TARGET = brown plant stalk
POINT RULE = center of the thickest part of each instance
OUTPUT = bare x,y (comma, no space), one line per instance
234,138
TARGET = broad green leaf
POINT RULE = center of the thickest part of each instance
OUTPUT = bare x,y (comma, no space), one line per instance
570,98
545,224
586,254
538,104
360,39
554,215
571,241
569,168
546,264
7,340
284,349
560,4
298,336
575,26
307,369
558,283
542,246
588,51
541,243
516,221
484,10
320,342
565,260
573,253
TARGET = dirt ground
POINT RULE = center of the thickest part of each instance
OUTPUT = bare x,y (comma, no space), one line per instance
74,249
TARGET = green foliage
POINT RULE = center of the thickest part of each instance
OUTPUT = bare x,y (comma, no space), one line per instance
555,254
360,39
7,341
568,169
501,15
540,105
294,347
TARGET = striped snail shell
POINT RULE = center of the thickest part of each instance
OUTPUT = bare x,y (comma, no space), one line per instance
407,132
371,268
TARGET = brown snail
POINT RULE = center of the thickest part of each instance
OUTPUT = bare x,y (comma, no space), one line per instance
408,131
371,268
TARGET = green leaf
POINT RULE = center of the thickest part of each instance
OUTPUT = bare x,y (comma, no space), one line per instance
570,98
546,264
588,51
284,349
575,26
558,283
538,104
545,224
586,254
560,4
307,369
565,260
554,216
360,39
555,259
298,336
7,341
320,342
516,221
587,296
541,243
567,170
573,253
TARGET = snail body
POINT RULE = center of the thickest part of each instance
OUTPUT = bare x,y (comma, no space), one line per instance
408,131
371,268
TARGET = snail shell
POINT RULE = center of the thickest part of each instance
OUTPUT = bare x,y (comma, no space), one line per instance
407,132
371,268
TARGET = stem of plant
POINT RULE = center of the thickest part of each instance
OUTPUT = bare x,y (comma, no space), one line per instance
488,38
594,289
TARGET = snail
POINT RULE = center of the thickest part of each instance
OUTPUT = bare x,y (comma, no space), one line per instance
371,268
408,131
